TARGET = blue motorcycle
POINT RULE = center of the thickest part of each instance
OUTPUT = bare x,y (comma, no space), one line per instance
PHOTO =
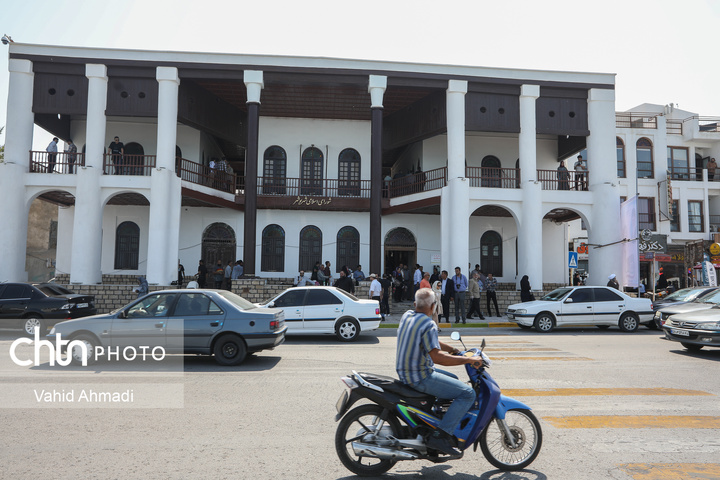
372,437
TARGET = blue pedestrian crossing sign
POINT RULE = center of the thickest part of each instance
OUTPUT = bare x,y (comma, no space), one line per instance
572,260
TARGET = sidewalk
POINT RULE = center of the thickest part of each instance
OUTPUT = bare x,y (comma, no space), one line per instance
392,321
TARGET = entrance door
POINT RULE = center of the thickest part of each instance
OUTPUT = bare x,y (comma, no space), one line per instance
400,247
490,168
312,172
491,253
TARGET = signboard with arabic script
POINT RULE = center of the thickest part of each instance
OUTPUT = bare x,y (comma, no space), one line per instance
652,242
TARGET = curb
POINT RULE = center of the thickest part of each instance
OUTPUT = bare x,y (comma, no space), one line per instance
464,325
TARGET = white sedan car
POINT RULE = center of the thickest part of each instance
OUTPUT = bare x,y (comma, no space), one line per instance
600,306
326,310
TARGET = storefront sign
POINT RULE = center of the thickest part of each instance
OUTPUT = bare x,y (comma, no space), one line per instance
309,201
650,242
715,249
581,248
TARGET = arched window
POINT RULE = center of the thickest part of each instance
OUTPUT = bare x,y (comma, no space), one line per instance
491,253
348,247
310,247
218,243
311,170
620,149
272,257
490,172
133,160
274,171
400,247
644,158
127,246
349,172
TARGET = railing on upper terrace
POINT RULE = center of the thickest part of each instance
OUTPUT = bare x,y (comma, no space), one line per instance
636,120
61,162
674,127
686,173
125,164
493,177
328,187
715,223
200,174
558,180
416,183
707,124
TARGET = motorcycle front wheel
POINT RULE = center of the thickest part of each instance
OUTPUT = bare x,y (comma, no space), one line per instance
360,425
527,435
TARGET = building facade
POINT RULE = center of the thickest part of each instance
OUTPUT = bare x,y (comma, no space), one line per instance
355,162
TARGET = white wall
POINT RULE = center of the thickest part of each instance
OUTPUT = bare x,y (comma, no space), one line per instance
554,254
507,229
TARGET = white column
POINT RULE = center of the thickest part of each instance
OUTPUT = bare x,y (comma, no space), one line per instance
604,225
85,263
454,199
530,227
18,143
165,197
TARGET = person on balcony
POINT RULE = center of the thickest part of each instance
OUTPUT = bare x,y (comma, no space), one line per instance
563,177
52,154
70,154
580,171
117,150
711,166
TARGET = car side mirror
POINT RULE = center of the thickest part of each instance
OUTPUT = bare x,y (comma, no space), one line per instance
271,304
569,300
122,314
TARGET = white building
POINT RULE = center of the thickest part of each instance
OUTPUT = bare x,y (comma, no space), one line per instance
472,152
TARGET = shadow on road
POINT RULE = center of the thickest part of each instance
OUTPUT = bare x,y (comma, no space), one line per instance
440,472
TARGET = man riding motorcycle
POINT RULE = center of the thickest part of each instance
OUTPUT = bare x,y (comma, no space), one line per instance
418,350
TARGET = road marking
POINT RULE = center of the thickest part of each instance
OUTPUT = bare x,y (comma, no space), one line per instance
562,392
540,358
634,421
672,471
520,349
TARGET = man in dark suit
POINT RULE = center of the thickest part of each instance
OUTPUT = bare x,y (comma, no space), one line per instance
448,293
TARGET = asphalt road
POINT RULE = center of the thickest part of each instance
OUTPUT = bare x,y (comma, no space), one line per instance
612,406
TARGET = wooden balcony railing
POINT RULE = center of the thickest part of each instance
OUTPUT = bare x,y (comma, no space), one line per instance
570,180
686,173
708,124
200,174
674,127
416,183
301,187
493,177
636,120
128,164
61,162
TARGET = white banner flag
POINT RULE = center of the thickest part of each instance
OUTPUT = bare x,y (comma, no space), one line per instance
629,230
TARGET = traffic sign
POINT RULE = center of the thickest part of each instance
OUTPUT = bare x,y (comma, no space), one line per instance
715,249
572,260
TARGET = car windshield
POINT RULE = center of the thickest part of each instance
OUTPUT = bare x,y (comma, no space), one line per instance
236,300
349,295
557,294
685,295
714,298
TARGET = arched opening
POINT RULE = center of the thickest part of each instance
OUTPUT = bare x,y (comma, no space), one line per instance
349,172
127,246
311,170
134,159
503,224
491,171
620,150
348,247
310,248
491,258
400,247
272,257
644,149
41,247
218,243
274,171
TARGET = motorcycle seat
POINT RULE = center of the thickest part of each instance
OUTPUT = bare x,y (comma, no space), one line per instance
394,385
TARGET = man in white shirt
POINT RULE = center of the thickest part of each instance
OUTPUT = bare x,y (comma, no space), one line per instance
580,170
52,151
376,290
417,278
300,280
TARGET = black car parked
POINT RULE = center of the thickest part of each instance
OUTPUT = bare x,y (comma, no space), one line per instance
42,305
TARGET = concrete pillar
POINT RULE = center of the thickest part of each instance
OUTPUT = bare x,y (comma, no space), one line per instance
454,198
530,228
376,87
85,264
254,84
165,196
604,225
14,168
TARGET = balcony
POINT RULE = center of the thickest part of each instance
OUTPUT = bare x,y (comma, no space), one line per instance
200,174
65,163
551,180
686,173
416,183
636,120
141,165
492,177
708,124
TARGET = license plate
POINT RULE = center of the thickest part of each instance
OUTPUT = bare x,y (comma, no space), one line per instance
510,316
340,405
82,305
681,333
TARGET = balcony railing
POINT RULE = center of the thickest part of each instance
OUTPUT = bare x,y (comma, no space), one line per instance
416,183
200,174
141,165
715,223
636,120
686,173
302,187
493,177
61,162
570,180
646,221
674,127
708,124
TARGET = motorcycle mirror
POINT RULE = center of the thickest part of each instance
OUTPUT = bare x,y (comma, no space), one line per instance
455,335
482,345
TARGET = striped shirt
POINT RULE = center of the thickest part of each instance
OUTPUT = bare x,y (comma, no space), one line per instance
417,336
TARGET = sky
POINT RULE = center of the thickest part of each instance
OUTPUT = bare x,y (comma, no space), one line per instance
662,51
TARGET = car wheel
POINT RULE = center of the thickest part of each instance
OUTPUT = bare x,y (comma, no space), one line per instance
691,348
347,330
544,322
33,322
77,354
230,350
628,322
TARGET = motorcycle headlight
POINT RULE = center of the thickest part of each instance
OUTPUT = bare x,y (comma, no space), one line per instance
520,311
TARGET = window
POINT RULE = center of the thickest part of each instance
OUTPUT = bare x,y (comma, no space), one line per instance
605,295
677,158
310,247
127,246
195,304
291,298
644,158
274,171
16,291
321,297
349,173
218,243
582,295
311,169
348,247
646,213
490,171
675,217
272,256
695,216
620,149
157,305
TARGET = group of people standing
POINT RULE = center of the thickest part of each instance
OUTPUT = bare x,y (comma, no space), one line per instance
563,175
456,289
222,277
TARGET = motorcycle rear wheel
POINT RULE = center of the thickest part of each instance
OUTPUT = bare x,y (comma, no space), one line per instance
356,424
527,434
